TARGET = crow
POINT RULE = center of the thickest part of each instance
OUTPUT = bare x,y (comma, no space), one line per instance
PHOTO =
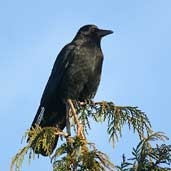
75,75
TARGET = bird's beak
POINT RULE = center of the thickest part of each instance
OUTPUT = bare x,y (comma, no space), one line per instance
102,33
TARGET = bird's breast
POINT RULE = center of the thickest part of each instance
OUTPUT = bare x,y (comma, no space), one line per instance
83,71
90,60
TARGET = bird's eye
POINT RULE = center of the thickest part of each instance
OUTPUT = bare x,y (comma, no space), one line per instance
93,29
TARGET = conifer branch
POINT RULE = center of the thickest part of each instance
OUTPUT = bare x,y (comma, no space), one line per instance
77,122
76,153
148,158
117,117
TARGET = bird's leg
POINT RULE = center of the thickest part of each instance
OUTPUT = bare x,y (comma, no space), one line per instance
68,126
79,126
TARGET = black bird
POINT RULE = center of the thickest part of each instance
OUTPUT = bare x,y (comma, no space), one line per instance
75,75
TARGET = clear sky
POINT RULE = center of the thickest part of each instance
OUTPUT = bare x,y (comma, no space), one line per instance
136,70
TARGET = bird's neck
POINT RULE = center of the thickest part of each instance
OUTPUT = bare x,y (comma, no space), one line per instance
80,40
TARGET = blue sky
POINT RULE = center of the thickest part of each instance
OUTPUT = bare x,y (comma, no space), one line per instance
136,68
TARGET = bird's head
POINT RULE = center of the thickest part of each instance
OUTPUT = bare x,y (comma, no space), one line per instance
92,32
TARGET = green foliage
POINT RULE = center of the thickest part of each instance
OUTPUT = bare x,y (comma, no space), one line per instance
148,158
80,155
43,138
77,154
37,136
116,117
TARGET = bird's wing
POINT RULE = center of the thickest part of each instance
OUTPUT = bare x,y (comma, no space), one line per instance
60,66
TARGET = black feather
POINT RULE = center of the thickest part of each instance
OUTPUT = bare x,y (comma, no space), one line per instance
75,75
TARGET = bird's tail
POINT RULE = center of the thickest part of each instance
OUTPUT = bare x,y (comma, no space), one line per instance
45,118
39,148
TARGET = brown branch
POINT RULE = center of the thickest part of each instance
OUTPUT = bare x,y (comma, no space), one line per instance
65,134
79,125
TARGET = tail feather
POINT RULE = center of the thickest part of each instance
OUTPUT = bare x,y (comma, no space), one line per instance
39,116
51,146
47,118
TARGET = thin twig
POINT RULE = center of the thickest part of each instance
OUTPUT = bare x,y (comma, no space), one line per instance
62,133
79,125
